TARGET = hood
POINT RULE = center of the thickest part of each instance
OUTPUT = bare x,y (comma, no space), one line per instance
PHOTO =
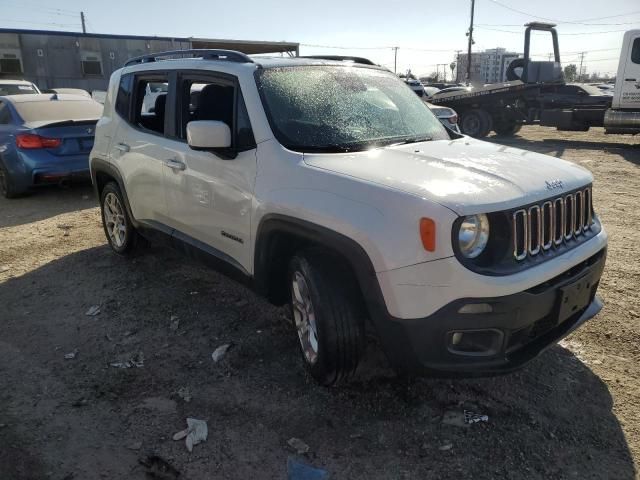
466,175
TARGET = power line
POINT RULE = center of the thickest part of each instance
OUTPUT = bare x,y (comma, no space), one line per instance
8,20
581,22
341,47
53,10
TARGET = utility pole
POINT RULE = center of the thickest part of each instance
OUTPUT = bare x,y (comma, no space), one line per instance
84,28
473,4
457,66
395,59
582,54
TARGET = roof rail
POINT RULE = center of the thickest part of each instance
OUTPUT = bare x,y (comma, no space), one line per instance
205,54
341,58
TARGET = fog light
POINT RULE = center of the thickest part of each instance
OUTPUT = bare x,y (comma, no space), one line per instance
475,342
476,308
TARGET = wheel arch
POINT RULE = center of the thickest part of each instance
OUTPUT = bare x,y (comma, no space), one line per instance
103,172
279,237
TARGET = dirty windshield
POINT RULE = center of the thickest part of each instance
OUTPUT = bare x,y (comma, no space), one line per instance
343,108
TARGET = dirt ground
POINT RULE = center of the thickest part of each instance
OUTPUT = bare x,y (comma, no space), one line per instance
572,413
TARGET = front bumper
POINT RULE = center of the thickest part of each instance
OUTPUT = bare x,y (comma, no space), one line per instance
525,324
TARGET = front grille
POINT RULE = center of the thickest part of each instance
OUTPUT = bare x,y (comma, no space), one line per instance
557,221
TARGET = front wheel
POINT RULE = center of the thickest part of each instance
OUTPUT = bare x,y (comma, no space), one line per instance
121,234
328,315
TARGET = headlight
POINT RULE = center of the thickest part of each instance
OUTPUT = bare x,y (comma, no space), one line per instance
473,235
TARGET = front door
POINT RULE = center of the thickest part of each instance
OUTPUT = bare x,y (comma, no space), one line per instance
210,195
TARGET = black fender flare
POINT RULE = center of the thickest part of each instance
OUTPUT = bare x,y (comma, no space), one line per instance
346,247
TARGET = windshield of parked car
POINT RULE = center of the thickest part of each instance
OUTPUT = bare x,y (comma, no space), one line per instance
16,89
343,108
155,87
58,110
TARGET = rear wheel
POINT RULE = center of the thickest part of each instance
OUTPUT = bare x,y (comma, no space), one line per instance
7,188
328,316
476,123
506,128
121,234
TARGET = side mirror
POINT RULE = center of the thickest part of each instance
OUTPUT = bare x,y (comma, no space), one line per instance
208,134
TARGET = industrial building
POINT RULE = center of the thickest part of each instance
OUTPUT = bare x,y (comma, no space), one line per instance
53,59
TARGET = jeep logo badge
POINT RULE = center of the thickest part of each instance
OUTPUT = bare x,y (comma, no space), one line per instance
553,184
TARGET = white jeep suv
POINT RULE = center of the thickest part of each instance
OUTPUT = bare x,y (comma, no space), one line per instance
330,185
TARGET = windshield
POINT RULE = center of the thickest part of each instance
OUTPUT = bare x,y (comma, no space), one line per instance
58,110
343,108
16,89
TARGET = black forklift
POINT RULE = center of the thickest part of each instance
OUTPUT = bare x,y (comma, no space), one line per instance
535,94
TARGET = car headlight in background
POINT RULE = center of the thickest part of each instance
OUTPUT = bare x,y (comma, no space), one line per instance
473,235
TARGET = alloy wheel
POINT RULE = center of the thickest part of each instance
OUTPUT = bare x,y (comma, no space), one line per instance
304,317
114,220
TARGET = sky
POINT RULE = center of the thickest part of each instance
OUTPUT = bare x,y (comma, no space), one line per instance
427,33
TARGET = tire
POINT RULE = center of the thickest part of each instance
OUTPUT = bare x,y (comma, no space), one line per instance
506,128
476,123
120,232
328,315
7,188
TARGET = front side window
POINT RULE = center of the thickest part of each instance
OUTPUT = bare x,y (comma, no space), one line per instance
343,108
216,100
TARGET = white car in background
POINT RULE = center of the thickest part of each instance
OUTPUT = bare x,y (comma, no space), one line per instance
447,116
17,87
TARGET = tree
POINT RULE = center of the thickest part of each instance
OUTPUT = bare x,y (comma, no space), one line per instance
570,72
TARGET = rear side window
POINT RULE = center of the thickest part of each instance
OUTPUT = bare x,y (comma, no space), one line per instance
635,51
123,99
150,103
142,100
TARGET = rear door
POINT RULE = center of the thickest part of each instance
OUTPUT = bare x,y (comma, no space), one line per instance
140,147
629,95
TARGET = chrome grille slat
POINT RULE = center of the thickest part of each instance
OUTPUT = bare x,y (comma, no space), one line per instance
548,222
579,218
534,230
520,253
570,218
551,224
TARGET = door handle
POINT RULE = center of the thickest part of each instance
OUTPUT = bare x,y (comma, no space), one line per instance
175,164
629,79
123,147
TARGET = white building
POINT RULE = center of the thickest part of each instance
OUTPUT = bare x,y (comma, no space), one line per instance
489,66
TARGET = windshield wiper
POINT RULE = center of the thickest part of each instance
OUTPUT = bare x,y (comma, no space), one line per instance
416,139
